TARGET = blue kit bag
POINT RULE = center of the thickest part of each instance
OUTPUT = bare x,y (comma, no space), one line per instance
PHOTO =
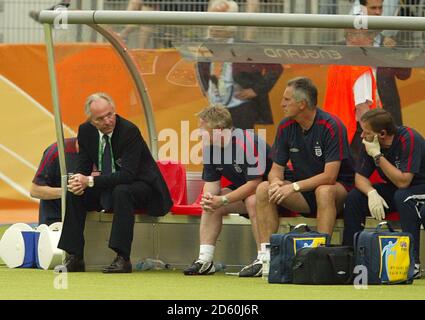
283,248
387,255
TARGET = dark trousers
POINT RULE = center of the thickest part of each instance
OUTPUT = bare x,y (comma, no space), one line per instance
356,209
125,199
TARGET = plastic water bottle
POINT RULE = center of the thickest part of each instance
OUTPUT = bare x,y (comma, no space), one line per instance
266,264
143,266
219,266
151,264
266,268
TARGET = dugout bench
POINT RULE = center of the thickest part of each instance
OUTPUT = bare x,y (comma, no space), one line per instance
174,238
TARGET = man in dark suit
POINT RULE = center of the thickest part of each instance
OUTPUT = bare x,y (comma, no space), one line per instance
129,179
247,97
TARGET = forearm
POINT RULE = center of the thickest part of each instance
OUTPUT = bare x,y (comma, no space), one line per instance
398,178
45,192
316,181
212,187
328,177
275,174
116,178
243,191
363,184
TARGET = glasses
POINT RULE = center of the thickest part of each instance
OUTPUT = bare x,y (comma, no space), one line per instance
107,116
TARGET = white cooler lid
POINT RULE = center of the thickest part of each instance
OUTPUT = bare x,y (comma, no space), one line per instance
49,256
12,245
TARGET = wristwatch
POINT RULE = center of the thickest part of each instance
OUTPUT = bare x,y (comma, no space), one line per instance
296,187
91,182
224,200
377,158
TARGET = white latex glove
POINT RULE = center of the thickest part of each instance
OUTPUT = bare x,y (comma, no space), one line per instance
376,205
372,148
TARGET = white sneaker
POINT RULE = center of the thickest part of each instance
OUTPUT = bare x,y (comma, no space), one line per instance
417,274
254,269
200,267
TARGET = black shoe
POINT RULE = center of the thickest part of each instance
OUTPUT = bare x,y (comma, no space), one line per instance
200,268
74,264
254,269
119,265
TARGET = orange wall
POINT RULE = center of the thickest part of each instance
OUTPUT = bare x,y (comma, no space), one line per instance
171,83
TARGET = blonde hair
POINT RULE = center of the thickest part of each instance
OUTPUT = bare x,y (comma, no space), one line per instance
216,117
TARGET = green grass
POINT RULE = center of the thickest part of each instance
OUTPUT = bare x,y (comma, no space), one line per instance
173,285
165,285
3,229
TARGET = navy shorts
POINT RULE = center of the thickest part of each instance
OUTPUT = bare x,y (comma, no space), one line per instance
231,187
310,198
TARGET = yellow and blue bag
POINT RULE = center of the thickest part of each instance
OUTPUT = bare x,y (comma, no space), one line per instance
283,248
387,255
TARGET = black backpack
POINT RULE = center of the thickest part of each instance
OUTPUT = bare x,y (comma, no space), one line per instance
323,265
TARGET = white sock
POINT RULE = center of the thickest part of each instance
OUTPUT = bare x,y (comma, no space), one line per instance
265,249
260,255
263,246
206,252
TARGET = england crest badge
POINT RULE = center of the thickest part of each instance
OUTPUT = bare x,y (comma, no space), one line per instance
318,151
238,169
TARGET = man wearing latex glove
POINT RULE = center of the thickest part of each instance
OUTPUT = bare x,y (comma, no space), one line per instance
398,155
376,205
372,148
375,202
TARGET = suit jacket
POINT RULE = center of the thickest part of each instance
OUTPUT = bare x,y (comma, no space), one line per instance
133,162
260,77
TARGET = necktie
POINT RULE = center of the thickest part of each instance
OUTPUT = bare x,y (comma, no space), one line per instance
106,195
106,156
